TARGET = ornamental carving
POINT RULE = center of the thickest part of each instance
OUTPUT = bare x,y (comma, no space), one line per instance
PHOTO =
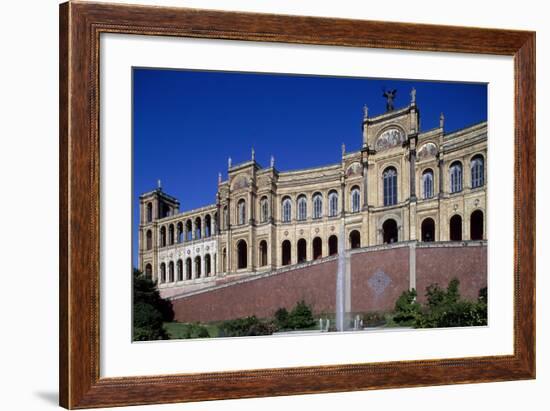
426,151
241,181
354,170
390,138
379,282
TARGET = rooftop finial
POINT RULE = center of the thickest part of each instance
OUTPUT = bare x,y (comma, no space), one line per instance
272,161
253,154
413,96
229,162
441,120
343,149
365,111
390,96
159,185
219,178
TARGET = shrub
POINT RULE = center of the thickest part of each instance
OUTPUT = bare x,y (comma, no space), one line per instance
407,308
281,318
446,309
195,331
373,319
249,326
150,310
301,317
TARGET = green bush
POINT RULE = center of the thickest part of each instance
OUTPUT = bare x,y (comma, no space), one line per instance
195,331
301,317
281,318
249,326
446,309
407,309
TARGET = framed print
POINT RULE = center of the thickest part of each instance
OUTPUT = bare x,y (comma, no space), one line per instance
258,205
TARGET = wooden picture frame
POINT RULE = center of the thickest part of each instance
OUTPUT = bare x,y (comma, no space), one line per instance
80,27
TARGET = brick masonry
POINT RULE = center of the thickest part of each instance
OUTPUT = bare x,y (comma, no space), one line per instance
378,277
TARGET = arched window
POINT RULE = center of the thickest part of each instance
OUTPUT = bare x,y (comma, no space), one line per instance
241,211
149,212
286,253
163,236
476,225
333,204
198,228
428,229
478,171
162,273
455,228
207,226
332,245
287,210
207,265
188,269
456,177
355,239
171,234
179,231
242,255
317,205
302,208
389,231
264,210
171,271
148,271
197,267
149,239
189,230
355,199
301,250
317,248
389,178
428,183
179,266
263,253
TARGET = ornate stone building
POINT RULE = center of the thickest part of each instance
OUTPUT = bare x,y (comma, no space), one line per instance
403,185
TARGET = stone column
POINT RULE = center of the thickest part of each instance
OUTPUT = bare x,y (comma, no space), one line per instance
441,176
412,172
365,186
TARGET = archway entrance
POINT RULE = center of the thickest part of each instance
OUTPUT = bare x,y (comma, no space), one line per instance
355,239
476,225
242,255
428,230
332,245
456,228
389,231
263,253
286,252
302,250
317,248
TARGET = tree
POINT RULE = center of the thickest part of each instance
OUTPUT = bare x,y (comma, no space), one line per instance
150,310
407,309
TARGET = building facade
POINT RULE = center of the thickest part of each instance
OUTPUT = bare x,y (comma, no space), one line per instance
404,184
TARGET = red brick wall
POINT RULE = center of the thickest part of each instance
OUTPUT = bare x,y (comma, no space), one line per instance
314,284
387,270
440,265
391,271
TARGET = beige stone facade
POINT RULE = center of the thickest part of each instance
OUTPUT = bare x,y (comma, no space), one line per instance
402,185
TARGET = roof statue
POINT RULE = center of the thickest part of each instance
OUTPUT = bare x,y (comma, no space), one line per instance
413,96
390,96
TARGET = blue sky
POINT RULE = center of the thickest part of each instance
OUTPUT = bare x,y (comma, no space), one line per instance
187,123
